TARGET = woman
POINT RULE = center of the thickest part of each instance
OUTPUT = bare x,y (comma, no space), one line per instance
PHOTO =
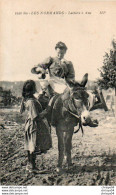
37,132
61,72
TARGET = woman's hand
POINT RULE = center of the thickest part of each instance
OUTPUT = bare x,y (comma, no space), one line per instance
43,114
40,70
41,73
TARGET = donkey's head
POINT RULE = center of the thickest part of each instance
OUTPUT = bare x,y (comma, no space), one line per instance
79,99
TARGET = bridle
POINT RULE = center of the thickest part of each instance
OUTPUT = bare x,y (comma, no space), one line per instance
72,109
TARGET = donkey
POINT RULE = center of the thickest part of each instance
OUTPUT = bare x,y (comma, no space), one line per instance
68,110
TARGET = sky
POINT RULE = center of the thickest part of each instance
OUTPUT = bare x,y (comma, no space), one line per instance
27,40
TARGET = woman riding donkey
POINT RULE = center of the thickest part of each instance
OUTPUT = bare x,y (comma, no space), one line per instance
62,76
61,71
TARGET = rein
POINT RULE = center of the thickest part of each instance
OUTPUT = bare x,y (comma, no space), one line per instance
80,123
75,115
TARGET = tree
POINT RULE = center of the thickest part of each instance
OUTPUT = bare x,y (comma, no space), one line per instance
108,70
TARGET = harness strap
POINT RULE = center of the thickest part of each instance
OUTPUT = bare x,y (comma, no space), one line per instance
72,113
80,124
80,127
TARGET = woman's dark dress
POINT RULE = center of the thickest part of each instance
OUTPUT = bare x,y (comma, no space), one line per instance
37,131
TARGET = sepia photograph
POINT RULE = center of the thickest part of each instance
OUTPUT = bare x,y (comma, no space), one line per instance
58,93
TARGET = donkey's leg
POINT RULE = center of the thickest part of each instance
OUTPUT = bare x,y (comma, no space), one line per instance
68,147
60,148
65,151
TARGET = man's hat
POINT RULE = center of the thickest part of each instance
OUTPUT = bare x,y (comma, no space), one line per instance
61,45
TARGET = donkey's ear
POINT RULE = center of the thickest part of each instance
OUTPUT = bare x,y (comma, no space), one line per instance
84,80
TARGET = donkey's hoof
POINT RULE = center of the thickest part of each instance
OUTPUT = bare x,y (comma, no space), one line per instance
59,170
65,157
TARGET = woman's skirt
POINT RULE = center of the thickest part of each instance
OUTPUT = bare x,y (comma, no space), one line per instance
37,136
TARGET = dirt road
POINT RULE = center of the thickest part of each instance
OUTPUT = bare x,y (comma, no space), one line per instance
94,154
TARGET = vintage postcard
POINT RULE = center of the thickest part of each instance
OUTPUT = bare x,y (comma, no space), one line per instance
58,93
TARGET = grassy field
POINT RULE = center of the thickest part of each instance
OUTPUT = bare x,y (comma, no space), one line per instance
93,155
